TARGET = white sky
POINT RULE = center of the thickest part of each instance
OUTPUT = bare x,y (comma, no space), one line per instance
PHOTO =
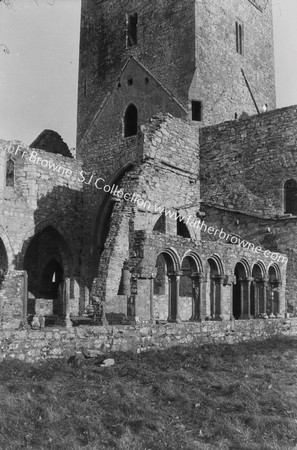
38,78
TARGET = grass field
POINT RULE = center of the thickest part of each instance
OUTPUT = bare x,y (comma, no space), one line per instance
212,397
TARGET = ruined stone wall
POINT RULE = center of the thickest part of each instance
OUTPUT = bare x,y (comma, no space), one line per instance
42,194
13,299
39,195
33,346
106,153
245,163
167,178
218,81
165,45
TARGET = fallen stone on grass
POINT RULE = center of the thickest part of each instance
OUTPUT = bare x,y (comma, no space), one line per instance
108,362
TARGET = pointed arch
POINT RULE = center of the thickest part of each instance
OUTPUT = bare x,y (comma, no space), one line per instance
104,216
38,229
182,229
160,225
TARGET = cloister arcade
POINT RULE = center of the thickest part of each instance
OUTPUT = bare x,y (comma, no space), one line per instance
192,289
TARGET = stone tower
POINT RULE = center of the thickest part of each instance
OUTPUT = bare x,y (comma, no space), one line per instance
215,58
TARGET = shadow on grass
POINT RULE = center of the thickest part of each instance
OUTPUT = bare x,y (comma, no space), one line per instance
239,396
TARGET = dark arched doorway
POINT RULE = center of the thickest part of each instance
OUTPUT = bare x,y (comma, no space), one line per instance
190,291
47,262
166,288
213,289
239,291
186,289
258,291
242,292
130,121
52,286
273,295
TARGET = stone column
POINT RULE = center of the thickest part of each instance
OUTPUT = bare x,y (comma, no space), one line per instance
202,299
196,298
126,279
218,296
67,305
212,297
152,306
241,283
257,296
230,280
275,297
249,282
177,318
103,318
169,297
265,284
25,297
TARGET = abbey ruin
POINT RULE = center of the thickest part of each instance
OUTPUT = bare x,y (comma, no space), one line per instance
179,205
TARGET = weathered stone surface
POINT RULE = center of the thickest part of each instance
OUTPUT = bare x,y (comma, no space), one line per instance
36,345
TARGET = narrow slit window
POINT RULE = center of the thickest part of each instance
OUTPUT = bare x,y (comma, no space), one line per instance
290,197
132,20
10,173
196,111
239,37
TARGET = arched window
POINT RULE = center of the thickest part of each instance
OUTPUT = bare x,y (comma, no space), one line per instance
10,173
182,229
160,225
130,121
290,197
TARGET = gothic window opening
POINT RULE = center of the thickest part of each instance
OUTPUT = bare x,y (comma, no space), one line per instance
160,225
10,173
132,20
239,37
182,229
130,121
290,197
196,111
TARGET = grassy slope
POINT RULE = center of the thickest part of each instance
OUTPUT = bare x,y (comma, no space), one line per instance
212,397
